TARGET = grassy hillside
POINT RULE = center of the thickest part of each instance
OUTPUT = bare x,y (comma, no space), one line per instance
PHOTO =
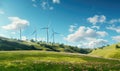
38,58
12,44
107,52
53,61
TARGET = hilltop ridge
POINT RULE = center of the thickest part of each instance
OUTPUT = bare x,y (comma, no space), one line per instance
13,44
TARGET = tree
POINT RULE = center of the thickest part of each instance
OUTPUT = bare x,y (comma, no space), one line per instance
32,40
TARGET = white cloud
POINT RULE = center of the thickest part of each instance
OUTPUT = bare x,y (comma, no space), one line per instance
34,5
51,8
102,33
83,33
97,27
87,37
33,0
56,1
97,19
102,19
117,29
24,38
93,20
2,35
2,12
16,23
116,38
114,21
44,5
93,43
40,39
72,28
13,33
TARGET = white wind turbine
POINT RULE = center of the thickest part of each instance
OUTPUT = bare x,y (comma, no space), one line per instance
53,35
20,34
35,32
47,32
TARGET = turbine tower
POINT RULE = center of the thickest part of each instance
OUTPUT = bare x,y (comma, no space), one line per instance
47,32
20,34
53,35
35,32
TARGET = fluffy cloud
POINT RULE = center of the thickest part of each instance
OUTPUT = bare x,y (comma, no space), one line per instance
2,12
114,21
116,38
97,27
16,23
13,33
97,19
2,35
102,33
83,33
93,43
34,5
24,38
51,8
33,0
40,39
117,29
72,28
45,4
56,1
87,37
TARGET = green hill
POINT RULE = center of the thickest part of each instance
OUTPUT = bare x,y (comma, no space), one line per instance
54,61
12,44
35,56
107,52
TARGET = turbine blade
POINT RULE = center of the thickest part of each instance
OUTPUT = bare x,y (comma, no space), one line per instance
44,28
48,26
33,32
53,30
56,33
52,35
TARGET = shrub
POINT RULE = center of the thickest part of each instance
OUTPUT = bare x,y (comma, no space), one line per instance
117,46
61,45
68,50
32,40
32,47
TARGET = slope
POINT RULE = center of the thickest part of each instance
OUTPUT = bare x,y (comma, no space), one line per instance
13,44
110,51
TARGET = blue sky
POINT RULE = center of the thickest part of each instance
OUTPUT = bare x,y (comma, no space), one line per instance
82,23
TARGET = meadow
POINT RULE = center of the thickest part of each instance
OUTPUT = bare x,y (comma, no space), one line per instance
107,52
54,61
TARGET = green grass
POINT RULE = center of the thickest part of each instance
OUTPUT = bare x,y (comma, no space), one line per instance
107,52
53,61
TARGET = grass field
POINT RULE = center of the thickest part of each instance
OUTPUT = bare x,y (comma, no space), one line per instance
53,61
108,52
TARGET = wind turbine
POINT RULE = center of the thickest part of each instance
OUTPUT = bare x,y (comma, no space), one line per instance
47,31
35,32
53,35
20,34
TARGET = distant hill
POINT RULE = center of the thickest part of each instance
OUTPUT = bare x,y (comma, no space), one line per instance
110,51
7,44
